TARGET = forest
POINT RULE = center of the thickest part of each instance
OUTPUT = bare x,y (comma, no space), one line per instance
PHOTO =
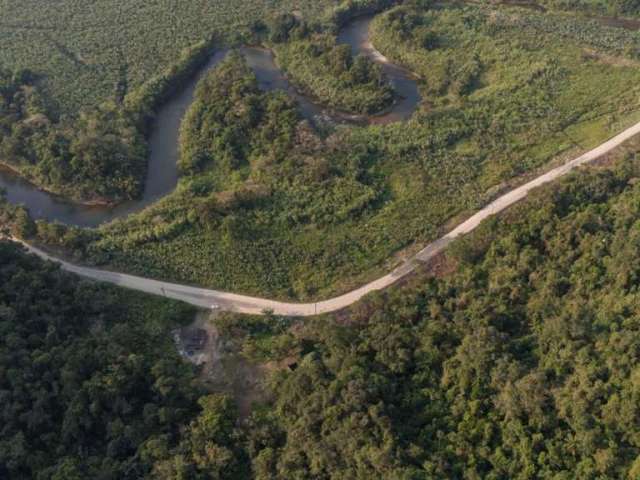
100,157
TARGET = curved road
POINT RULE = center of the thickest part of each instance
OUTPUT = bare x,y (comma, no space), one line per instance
241,303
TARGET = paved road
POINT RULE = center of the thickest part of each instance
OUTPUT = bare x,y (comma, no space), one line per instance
241,303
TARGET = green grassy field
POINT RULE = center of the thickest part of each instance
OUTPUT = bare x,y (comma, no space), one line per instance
610,8
87,50
293,214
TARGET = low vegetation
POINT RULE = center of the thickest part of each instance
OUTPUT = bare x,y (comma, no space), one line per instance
609,8
87,54
329,72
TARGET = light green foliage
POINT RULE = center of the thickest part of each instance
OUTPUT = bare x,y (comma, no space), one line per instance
255,175
92,52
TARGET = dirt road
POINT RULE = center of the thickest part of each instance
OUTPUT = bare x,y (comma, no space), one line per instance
241,303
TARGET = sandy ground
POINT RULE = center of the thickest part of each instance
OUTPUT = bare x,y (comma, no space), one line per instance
222,368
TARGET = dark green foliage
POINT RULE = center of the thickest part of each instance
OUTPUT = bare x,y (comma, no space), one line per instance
330,73
282,27
88,374
208,450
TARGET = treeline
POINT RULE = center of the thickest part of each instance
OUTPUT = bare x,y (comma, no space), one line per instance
145,100
330,73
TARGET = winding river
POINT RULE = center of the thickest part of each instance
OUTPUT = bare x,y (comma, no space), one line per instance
162,172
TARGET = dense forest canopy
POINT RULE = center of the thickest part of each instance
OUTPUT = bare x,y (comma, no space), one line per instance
88,374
